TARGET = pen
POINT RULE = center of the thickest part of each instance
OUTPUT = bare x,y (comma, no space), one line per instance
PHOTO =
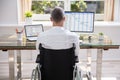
22,30
16,30
19,31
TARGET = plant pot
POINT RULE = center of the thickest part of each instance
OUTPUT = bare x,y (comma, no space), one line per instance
101,38
28,20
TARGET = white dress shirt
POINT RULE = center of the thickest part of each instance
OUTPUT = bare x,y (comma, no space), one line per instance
58,38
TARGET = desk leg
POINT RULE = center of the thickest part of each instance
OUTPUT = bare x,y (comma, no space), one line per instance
89,75
19,71
99,64
11,65
89,60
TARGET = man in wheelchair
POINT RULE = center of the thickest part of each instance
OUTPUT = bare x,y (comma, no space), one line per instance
59,49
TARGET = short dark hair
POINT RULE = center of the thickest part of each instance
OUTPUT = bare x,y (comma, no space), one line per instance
57,14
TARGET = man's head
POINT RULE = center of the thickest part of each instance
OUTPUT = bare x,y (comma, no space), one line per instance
57,15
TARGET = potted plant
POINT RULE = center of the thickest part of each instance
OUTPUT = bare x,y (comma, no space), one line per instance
101,36
28,17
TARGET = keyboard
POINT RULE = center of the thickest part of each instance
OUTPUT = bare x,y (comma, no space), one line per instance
32,38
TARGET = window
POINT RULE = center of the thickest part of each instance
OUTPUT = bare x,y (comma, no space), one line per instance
45,6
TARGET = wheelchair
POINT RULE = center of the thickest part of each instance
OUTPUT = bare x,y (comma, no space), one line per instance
76,74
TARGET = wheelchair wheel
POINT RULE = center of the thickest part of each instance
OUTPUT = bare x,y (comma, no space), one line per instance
89,76
36,74
33,74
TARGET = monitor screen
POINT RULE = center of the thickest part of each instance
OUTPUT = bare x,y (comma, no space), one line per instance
79,21
33,30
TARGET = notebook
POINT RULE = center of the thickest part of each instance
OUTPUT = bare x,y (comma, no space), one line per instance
32,31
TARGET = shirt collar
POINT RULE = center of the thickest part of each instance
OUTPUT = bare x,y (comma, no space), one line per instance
58,27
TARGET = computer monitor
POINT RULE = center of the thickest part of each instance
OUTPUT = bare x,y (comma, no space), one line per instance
79,21
32,31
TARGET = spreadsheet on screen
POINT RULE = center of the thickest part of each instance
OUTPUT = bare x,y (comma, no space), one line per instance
79,21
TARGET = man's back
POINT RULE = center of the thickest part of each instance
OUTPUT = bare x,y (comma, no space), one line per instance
57,38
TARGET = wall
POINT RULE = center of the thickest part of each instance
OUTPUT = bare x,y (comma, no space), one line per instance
8,12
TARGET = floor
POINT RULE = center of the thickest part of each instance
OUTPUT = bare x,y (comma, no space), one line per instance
110,70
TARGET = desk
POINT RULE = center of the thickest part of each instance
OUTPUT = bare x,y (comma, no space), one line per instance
12,44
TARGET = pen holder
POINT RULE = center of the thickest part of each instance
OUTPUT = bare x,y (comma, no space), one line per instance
19,36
